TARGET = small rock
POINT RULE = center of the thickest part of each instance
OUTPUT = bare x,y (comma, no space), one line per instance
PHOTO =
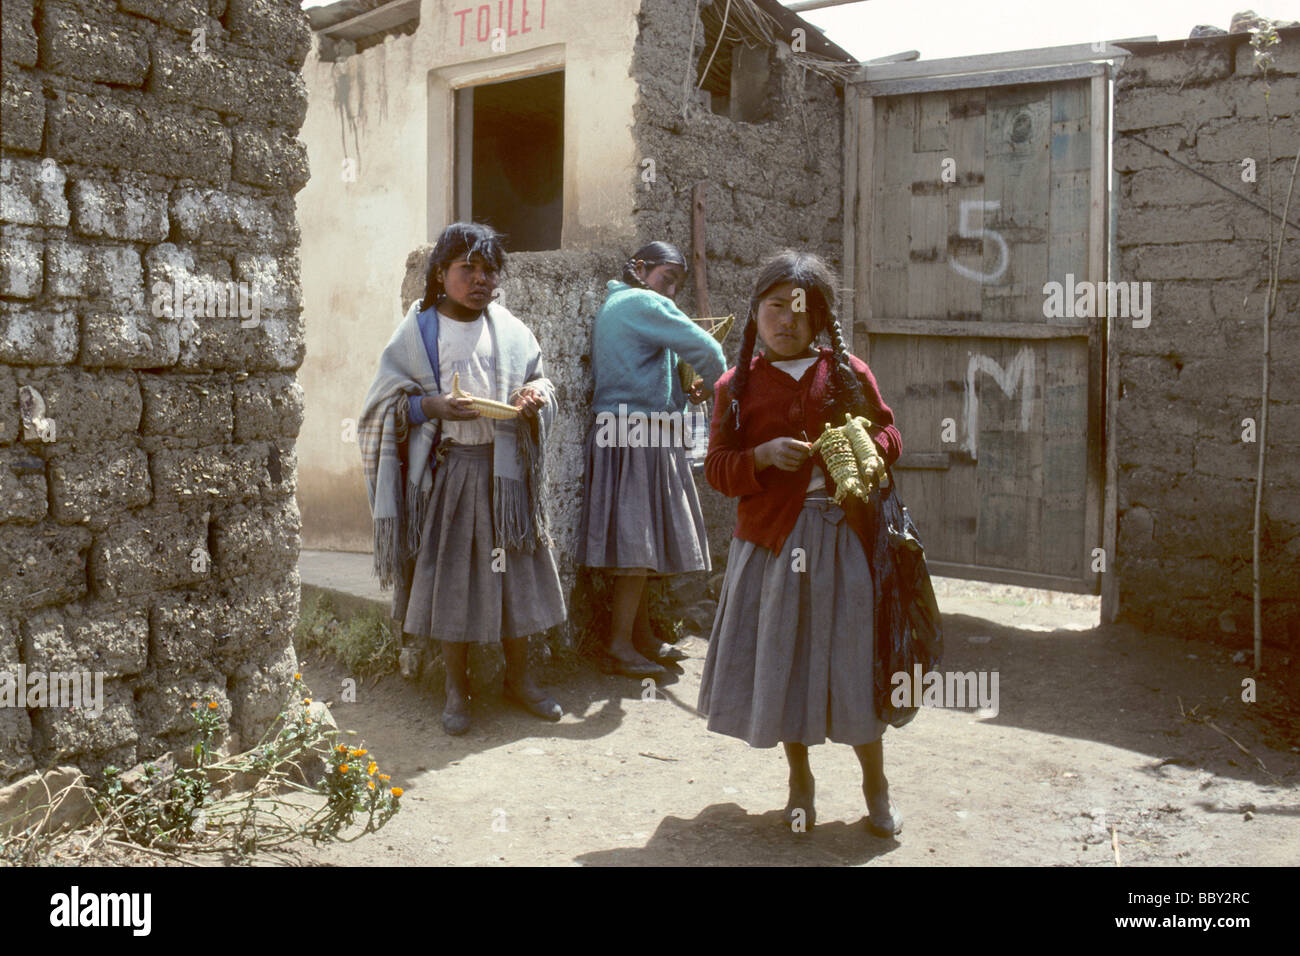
979,639
1248,815
1239,657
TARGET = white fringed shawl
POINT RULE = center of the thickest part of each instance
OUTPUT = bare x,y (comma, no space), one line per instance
518,492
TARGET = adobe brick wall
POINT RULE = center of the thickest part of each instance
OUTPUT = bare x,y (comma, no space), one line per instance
128,159
1186,478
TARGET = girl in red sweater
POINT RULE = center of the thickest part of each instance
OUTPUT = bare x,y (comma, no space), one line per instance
792,652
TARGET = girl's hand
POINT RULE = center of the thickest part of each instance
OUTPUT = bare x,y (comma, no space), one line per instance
448,408
698,393
788,454
528,401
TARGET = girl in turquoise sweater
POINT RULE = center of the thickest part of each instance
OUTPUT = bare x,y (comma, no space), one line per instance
641,512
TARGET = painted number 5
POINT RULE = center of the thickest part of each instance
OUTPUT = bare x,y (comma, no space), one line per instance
966,232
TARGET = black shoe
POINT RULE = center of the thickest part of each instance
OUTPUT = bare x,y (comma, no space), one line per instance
885,822
454,723
547,708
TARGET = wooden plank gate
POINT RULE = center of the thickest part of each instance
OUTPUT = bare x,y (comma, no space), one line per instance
971,184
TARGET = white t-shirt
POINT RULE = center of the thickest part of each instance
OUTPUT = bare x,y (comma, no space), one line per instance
795,369
466,347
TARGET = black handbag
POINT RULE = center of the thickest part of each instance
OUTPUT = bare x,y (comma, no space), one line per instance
909,630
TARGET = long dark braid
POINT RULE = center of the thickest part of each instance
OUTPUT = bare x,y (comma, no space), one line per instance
846,394
741,379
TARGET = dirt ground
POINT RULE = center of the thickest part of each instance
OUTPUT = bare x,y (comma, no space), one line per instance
1090,747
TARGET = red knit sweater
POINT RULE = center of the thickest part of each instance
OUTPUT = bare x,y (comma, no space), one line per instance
776,405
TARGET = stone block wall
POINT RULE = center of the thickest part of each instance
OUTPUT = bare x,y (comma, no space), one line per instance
149,533
1189,380
768,185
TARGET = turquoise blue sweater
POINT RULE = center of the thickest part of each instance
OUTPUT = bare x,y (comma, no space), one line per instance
638,338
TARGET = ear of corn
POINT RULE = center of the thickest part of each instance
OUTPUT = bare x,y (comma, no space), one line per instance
487,408
870,464
841,464
851,457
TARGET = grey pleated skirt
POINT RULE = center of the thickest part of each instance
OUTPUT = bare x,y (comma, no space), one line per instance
792,652
641,510
456,594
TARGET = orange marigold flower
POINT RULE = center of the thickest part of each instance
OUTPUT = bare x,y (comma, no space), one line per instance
306,700
212,705
194,706
297,677
306,720
342,748
362,752
343,768
370,784
372,768
398,791
383,776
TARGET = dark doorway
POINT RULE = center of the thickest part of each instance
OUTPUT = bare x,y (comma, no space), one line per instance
510,159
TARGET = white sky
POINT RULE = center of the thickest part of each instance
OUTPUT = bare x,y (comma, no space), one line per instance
942,28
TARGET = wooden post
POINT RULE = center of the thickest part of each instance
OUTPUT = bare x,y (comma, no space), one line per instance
699,261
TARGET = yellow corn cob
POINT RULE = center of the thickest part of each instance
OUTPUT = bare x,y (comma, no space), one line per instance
487,408
870,465
841,464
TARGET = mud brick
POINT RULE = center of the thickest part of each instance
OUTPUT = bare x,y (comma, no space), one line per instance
184,628
274,28
110,272
103,131
148,553
17,22
104,48
268,406
43,565
197,407
213,473
164,706
72,732
234,85
22,266
22,489
1187,67
111,638
183,15
256,538
31,192
23,107
128,339
215,215
94,486
37,337
86,406
269,158
119,210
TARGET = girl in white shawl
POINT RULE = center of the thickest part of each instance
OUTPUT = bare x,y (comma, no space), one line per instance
456,498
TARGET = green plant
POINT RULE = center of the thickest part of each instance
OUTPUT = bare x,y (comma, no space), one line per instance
365,644
191,813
